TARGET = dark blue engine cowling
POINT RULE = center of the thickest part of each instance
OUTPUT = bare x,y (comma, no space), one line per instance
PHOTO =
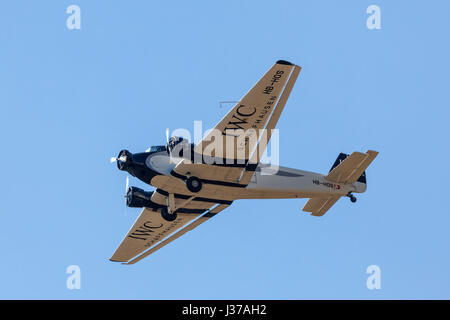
138,198
124,164
135,164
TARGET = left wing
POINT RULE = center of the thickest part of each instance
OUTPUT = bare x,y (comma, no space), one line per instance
151,232
236,142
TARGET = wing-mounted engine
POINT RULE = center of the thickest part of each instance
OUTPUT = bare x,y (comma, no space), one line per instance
138,198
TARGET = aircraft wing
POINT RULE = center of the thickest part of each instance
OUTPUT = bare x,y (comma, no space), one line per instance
236,143
151,232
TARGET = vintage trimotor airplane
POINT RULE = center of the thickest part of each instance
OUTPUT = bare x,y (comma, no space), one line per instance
196,182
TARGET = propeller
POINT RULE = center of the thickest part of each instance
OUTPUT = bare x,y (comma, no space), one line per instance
121,158
127,184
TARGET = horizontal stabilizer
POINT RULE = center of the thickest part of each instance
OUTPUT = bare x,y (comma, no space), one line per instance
352,167
319,206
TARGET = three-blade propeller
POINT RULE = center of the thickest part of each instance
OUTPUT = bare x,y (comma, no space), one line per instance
127,181
127,184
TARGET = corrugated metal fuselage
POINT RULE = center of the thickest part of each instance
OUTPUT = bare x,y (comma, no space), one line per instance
283,183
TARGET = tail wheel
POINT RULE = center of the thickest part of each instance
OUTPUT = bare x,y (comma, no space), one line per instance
194,184
168,216
352,198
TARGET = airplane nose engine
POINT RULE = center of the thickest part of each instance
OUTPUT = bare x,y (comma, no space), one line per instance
124,160
138,198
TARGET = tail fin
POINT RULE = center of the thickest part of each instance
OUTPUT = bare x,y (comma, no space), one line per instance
341,157
346,169
351,168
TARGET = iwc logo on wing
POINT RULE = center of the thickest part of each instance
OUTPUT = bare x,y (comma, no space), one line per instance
144,230
239,118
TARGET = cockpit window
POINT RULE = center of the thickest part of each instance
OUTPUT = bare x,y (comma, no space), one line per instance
176,140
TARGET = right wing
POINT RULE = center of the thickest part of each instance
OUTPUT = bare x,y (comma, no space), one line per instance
151,232
211,213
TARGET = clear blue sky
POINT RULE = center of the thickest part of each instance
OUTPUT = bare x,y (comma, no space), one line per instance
71,99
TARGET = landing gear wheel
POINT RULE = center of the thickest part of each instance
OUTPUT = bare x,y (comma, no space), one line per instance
352,198
194,184
168,216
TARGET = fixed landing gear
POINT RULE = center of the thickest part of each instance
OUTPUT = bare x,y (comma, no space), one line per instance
169,212
352,197
168,216
193,184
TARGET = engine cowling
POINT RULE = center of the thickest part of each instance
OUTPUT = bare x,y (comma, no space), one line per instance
124,160
138,198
